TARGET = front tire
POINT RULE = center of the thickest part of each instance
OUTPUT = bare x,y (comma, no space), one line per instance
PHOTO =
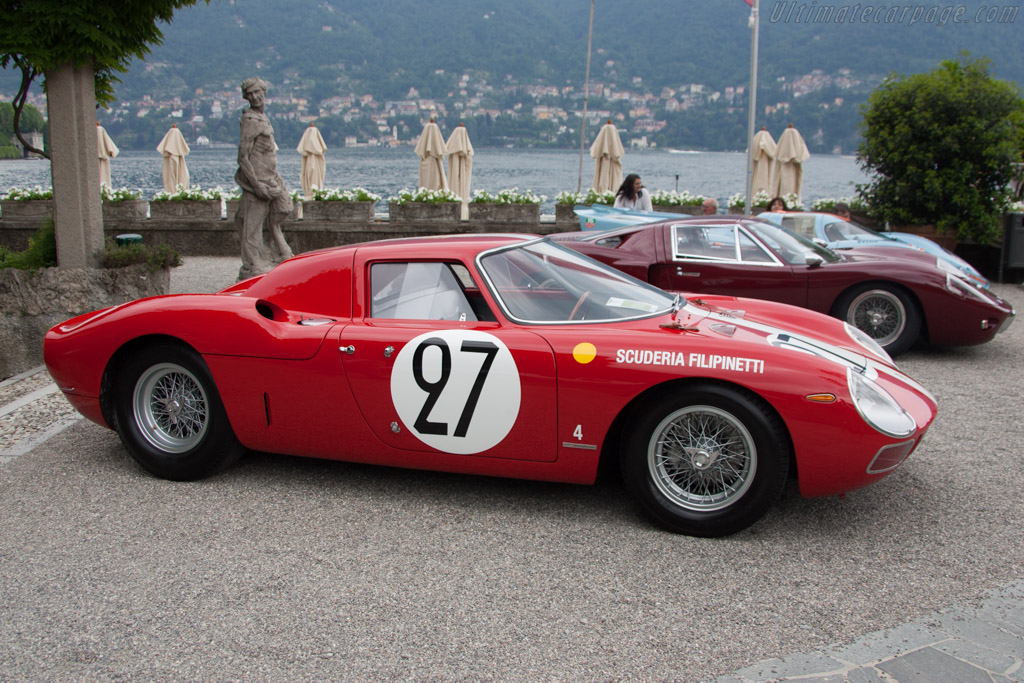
885,313
170,416
706,461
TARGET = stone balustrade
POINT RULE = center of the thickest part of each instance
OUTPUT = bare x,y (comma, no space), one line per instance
195,236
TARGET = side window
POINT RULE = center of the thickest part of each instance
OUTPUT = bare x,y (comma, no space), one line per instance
751,252
418,291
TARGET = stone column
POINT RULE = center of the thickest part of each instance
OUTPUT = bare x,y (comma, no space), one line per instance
78,210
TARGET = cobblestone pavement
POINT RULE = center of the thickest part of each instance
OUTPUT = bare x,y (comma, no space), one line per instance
980,638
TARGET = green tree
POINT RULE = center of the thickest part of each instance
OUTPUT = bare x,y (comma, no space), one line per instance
939,148
40,35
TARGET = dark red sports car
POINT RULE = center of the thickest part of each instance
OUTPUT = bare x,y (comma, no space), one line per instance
897,298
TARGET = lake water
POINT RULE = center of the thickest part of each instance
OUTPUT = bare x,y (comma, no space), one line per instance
544,171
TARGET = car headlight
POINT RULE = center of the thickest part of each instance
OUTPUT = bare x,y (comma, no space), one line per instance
958,284
878,408
865,340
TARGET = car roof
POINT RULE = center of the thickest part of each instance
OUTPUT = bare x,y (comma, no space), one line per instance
718,219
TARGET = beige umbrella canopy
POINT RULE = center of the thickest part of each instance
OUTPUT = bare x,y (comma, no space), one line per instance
314,166
108,150
764,155
174,150
460,165
790,154
607,153
430,148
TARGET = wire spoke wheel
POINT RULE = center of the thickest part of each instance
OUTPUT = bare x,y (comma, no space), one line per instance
702,458
880,314
171,408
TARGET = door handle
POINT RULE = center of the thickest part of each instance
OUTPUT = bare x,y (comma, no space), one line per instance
348,349
682,273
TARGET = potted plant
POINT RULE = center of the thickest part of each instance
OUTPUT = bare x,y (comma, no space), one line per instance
564,201
677,202
507,206
738,202
193,203
123,204
27,204
423,205
345,206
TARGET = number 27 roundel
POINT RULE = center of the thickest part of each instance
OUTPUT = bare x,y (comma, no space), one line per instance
456,390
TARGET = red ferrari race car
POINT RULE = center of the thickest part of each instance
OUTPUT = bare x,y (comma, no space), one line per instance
498,355
897,296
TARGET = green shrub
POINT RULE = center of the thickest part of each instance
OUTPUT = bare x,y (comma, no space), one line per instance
122,256
41,251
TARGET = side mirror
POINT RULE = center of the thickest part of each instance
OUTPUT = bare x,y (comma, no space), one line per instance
814,261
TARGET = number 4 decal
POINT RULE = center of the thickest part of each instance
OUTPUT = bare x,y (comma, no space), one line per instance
456,390
578,432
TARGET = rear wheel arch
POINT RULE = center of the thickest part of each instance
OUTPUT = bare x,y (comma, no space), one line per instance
116,363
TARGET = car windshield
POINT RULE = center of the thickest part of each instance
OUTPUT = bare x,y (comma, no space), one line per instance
839,230
543,282
790,247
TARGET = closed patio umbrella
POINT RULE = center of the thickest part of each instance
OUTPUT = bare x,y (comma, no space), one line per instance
430,148
174,150
460,165
607,153
108,150
790,154
764,155
314,166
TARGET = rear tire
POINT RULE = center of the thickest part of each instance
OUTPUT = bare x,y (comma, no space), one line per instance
707,460
170,416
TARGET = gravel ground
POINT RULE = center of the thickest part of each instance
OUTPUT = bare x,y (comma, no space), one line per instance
293,569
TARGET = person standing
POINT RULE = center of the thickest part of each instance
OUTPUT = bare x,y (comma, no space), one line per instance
709,207
265,199
633,195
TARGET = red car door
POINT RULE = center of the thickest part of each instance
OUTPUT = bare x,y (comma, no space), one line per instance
448,381
725,259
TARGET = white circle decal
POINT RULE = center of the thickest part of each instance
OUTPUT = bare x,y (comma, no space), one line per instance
456,390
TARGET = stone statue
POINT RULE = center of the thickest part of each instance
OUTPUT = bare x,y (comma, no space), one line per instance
265,199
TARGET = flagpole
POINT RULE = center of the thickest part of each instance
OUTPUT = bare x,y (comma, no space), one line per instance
754,22
586,90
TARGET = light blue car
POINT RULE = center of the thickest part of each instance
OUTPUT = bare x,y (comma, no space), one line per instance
839,233
826,229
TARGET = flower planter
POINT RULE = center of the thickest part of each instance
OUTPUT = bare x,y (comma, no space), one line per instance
688,209
186,209
338,212
564,213
424,212
231,208
128,210
487,212
29,211
738,210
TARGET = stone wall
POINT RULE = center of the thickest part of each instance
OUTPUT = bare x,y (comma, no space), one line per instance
222,237
31,302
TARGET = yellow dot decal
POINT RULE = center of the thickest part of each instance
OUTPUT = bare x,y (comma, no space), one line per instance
584,352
